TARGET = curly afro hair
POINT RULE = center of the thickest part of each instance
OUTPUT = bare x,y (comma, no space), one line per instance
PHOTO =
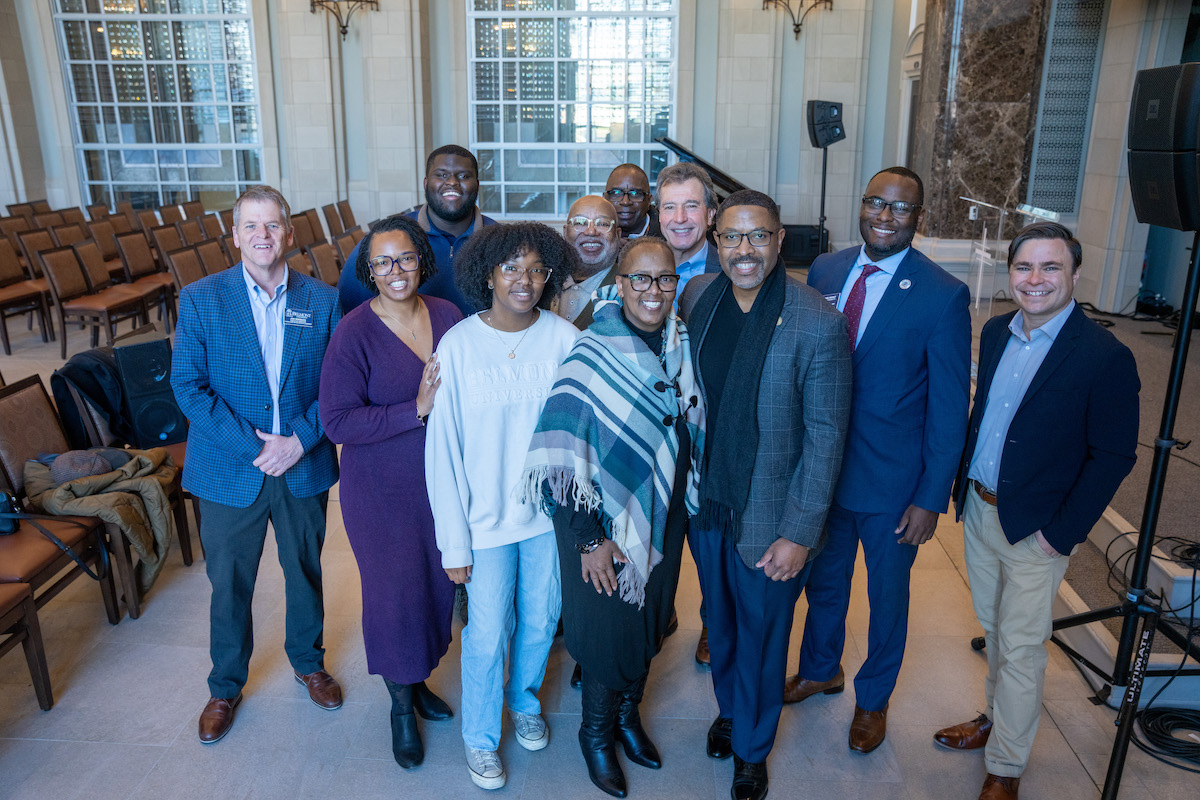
491,246
427,266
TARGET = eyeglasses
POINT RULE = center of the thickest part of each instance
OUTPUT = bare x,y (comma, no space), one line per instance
580,224
513,273
900,208
615,195
641,283
383,265
759,238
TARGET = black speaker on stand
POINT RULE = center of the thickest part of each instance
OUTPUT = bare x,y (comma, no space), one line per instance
824,128
144,368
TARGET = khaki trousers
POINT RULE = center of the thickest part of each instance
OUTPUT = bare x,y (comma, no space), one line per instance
1012,587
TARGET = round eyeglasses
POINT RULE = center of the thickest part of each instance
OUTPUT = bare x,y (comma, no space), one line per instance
900,208
513,273
602,224
383,265
640,283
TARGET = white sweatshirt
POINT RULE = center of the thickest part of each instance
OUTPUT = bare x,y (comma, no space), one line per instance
479,431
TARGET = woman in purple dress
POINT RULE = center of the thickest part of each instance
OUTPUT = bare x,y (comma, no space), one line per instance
378,384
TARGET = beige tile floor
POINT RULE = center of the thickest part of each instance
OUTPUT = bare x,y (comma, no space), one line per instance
128,698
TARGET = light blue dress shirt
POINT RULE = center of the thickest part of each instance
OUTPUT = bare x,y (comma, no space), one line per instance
268,323
691,268
1022,357
877,284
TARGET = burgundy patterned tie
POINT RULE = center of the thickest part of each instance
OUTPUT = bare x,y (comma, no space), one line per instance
854,303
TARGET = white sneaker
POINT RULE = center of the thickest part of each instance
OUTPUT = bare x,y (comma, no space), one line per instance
532,732
486,770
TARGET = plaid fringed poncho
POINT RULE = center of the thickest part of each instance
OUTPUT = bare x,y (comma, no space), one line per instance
606,441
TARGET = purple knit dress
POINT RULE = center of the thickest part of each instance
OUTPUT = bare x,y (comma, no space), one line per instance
368,403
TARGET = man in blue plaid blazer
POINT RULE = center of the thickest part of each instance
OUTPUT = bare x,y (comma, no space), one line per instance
247,363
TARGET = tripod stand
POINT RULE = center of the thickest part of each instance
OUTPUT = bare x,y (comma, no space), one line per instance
1141,609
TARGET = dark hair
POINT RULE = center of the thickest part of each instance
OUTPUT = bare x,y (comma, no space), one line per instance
1046,230
905,172
749,197
683,172
629,166
640,243
427,266
492,245
451,150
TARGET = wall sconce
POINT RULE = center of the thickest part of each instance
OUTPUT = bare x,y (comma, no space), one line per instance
797,23
343,7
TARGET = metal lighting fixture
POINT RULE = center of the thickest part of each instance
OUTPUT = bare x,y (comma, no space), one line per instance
343,10
797,22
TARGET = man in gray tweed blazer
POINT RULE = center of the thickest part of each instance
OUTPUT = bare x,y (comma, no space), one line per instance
774,367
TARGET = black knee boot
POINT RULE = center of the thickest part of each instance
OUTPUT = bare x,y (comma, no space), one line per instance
407,748
596,737
630,732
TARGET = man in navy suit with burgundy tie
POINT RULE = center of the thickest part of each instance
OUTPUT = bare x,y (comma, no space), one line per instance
910,329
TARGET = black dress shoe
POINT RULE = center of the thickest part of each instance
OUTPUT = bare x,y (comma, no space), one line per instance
577,677
719,732
749,780
429,705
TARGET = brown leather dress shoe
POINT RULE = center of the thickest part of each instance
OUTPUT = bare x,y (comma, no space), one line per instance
868,730
702,648
217,718
966,736
797,688
322,689
997,788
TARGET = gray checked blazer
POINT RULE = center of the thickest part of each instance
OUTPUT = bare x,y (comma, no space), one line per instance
803,413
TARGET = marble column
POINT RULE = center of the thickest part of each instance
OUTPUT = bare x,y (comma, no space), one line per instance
977,110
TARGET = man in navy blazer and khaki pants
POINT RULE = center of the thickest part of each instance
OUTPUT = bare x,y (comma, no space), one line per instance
246,367
1052,434
911,332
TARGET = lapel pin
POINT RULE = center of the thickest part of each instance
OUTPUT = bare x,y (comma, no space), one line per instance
778,322
906,283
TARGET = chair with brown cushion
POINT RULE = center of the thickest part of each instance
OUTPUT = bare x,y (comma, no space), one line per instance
73,215
98,211
99,278
357,234
120,223
302,232
297,261
212,226
324,262
227,219
212,256
28,426
11,226
170,214
73,299
185,266
32,242
347,214
101,232
19,625
232,252
193,208
142,270
314,222
40,206
333,220
18,294
125,209
191,231
166,238
48,219
21,210
68,233
147,219
343,243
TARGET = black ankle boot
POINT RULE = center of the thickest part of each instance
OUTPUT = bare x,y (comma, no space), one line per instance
407,748
630,732
596,737
429,705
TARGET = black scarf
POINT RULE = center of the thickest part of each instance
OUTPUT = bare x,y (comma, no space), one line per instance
731,449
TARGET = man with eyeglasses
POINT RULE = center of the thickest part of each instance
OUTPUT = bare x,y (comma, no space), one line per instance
591,229
910,331
628,189
449,217
774,369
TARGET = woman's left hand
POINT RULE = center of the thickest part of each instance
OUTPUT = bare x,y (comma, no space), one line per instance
598,566
429,386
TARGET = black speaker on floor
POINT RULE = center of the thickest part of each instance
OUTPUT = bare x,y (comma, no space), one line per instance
144,367
825,123
1164,146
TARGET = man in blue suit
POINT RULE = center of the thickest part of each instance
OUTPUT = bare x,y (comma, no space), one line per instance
910,329
1052,434
246,367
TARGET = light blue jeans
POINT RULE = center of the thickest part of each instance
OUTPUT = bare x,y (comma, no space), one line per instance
514,596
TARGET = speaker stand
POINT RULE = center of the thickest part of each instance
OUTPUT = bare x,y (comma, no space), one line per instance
822,245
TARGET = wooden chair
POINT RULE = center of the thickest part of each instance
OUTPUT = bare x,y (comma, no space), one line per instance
333,220
212,256
74,300
11,226
227,219
232,252
324,262
170,214
68,233
147,219
142,270
302,231
193,209
32,242
98,211
314,222
40,206
18,294
21,210
297,261
185,266
98,277
166,238
347,214
48,219
120,223
357,234
125,209
28,426
19,625
73,215
101,232
343,243
191,231
212,226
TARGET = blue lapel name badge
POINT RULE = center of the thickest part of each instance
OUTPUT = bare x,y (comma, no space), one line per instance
301,319
905,284
833,298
